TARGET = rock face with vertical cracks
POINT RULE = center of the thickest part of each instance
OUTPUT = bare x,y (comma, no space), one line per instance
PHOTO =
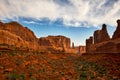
89,42
101,35
103,43
60,43
14,34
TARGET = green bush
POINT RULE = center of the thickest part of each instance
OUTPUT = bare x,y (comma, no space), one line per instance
32,78
12,76
22,76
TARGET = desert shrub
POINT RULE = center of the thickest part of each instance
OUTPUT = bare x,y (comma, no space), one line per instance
22,76
4,44
53,70
61,73
30,74
18,62
41,70
12,76
86,69
32,78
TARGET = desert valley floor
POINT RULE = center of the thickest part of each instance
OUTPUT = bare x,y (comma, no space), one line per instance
58,66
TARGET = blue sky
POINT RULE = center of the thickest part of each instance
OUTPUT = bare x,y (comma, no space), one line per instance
76,19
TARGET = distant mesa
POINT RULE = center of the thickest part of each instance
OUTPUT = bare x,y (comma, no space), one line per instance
60,43
101,42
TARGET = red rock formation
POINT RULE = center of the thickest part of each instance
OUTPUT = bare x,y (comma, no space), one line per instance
117,32
96,38
82,49
56,42
14,34
101,35
1,23
89,42
10,41
118,47
23,33
73,45
102,42
111,46
44,42
78,49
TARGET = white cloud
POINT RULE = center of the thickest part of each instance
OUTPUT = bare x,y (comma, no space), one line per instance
30,22
78,13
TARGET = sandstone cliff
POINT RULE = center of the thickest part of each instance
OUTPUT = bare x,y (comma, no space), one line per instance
15,34
101,35
9,41
60,43
102,42
89,42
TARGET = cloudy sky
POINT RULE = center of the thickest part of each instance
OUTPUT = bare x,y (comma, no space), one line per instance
76,19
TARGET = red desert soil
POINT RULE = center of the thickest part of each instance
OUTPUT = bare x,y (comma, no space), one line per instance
59,66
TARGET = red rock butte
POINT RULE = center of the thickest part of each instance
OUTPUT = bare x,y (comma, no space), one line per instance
101,42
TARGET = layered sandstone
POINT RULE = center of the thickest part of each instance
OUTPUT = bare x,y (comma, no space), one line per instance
11,31
89,42
14,36
101,35
9,41
102,42
61,43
